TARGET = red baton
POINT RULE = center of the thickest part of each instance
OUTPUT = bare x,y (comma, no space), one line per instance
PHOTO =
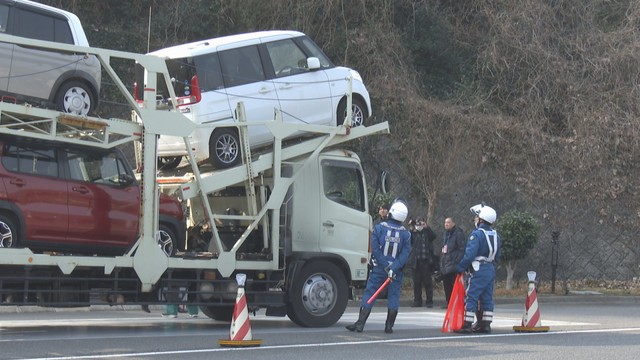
375,295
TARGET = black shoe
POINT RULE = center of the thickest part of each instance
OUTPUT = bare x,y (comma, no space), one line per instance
429,305
417,304
391,319
358,326
466,328
481,327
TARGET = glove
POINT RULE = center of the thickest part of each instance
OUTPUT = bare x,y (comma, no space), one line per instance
389,271
437,276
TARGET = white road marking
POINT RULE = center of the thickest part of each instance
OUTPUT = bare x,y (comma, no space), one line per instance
297,346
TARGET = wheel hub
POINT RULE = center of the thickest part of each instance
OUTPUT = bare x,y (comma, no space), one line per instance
165,243
6,237
319,295
77,101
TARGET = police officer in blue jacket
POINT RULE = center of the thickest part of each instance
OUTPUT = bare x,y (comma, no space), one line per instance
390,248
479,260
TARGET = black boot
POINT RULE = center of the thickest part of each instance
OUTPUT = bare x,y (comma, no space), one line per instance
391,319
476,325
466,328
484,327
362,319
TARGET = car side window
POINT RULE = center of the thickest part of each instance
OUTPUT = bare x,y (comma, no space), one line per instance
35,25
30,160
209,72
315,51
241,66
287,58
99,168
4,18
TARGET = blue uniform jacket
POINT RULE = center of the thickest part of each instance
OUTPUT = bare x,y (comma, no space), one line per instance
477,246
391,244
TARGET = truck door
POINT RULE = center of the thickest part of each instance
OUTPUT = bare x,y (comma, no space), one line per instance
344,217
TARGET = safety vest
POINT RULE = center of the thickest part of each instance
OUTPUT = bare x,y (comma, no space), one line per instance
492,241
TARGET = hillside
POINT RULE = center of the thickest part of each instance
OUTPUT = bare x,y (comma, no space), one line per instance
527,105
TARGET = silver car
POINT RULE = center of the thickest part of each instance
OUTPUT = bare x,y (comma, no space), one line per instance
67,82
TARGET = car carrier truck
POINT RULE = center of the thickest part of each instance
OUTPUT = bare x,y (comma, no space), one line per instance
294,217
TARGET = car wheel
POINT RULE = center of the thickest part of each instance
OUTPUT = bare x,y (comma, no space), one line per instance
319,300
169,163
224,148
75,97
8,234
358,112
167,240
220,313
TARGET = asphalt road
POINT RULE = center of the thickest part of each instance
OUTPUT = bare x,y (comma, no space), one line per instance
601,328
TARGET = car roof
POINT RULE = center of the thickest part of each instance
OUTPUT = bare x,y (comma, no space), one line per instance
225,42
74,22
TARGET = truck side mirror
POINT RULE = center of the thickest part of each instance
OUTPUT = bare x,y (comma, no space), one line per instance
384,181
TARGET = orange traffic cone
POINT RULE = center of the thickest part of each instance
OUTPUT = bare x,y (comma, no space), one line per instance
240,331
454,317
531,319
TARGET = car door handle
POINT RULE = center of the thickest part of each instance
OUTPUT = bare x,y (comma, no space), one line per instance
328,224
80,189
264,90
286,86
17,182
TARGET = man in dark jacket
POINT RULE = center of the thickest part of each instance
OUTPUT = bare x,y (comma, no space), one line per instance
454,244
422,262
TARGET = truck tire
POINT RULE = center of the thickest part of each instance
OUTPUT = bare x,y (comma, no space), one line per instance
167,240
224,148
220,313
8,234
358,112
318,296
76,97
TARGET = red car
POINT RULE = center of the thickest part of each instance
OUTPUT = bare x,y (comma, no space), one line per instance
75,199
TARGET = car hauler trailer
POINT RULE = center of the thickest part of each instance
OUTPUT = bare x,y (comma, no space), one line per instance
294,218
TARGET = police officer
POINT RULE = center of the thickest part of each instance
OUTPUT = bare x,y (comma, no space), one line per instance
390,247
479,260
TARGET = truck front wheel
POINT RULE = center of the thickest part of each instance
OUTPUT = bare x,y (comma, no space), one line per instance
318,296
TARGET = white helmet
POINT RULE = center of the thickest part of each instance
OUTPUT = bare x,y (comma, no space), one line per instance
398,211
484,212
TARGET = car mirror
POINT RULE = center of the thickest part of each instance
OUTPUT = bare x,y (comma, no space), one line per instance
313,63
125,180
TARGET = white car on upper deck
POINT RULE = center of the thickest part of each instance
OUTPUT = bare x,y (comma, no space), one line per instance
264,70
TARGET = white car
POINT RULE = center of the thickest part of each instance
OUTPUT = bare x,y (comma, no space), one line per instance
67,82
264,70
